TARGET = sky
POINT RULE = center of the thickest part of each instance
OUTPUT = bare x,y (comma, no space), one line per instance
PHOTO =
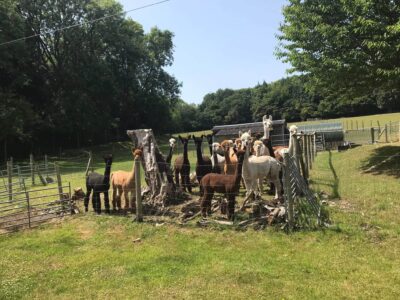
218,43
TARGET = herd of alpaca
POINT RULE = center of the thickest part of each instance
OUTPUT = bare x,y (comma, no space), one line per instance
230,162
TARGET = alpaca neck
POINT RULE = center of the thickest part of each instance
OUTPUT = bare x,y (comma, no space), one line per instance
266,132
267,143
199,154
185,152
169,157
238,172
227,157
107,173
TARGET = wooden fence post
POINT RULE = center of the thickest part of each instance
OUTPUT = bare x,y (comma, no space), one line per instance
46,165
42,180
386,134
29,207
32,168
10,185
372,135
306,150
309,152
89,164
139,209
59,183
288,191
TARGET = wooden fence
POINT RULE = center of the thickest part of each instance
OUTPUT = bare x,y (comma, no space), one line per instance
302,206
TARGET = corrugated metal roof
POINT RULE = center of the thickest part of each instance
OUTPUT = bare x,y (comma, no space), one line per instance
321,127
234,129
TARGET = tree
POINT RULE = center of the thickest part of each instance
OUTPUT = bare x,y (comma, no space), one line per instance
349,49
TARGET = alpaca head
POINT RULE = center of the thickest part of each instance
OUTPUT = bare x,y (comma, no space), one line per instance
209,139
226,144
240,155
197,140
172,142
216,148
238,143
183,140
246,138
267,122
293,129
108,159
257,147
136,152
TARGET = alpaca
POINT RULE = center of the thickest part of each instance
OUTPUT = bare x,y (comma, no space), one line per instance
224,184
124,183
230,157
99,184
256,168
260,149
209,138
280,150
182,166
203,163
172,143
218,160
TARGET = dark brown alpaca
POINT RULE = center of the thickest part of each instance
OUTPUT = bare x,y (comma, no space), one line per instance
209,141
203,164
224,184
182,166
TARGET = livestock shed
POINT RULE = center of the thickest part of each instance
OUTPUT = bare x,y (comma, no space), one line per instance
279,134
327,135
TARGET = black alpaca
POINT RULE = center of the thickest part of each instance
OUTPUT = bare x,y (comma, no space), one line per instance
203,164
99,184
182,166
210,141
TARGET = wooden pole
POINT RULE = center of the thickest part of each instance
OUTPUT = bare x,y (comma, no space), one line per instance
89,164
29,208
19,176
139,208
42,180
46,165
386,134
288,191
10,187
31,162
309,152
372,135
306,150
59,183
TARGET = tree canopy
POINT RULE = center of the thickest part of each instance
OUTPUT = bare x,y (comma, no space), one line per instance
348,49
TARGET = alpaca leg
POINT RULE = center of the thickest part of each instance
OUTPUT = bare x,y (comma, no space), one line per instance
126,196
96,202
87,198
231,207
278,188
188,184
177,178
114,198
119,197
206,203
106,202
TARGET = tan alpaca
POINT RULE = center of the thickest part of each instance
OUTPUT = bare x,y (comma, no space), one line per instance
124,183
230,157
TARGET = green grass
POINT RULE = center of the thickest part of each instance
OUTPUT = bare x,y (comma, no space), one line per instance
86,256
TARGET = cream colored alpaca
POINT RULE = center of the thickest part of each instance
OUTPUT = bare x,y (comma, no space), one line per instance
124,183
256,168
217,160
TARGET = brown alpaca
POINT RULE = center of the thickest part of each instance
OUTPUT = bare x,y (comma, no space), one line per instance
203,163
230,157
182,166
124,183
224,184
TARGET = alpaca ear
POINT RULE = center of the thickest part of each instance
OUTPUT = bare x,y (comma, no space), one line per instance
249,132
264,118
270,117
180,138
240,133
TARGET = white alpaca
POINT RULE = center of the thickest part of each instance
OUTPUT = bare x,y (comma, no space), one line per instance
267,124
256,168
217,158
260,149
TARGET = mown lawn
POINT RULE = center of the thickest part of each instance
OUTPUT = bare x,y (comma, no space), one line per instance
95,257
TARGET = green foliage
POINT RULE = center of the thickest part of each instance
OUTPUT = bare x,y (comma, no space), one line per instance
349,49
86,82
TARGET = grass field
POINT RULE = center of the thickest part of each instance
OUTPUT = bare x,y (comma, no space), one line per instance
86,256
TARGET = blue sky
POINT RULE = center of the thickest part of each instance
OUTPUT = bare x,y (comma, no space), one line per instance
218,43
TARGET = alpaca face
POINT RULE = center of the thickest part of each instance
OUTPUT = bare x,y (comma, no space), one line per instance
267,122
183,140
172,142
246,138
216,148
293,129
108,159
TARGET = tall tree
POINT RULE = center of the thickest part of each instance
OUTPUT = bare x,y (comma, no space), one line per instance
349,49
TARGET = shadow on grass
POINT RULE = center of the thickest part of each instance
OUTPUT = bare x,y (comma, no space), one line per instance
335,185
383,160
